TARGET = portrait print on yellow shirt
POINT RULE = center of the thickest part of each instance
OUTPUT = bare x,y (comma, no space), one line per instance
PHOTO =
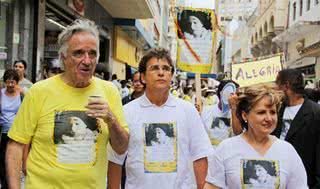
75,137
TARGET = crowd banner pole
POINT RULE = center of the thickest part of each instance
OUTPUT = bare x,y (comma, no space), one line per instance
198,91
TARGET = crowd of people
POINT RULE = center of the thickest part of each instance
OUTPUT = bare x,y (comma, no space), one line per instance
75,128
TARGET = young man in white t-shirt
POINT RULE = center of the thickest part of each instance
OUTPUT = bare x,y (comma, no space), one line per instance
168,143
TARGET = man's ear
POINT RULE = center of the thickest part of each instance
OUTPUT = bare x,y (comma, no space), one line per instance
62,56
142,78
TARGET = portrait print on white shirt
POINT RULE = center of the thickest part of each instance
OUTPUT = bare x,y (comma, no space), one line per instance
260,173
160,147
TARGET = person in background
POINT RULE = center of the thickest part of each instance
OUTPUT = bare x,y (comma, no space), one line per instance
52,163
166,166
114,80
21,67
101,72
211,97
312,94
299,120
10,101
124,91
53,68
138,89
235,160
216,117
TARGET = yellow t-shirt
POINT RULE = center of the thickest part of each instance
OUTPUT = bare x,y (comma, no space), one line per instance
68,148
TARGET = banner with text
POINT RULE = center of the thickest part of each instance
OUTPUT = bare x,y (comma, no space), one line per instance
261,71
195,31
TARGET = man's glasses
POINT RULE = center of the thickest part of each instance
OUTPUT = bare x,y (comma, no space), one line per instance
156,68
81,53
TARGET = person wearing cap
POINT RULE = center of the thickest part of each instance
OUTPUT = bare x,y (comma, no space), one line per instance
211,97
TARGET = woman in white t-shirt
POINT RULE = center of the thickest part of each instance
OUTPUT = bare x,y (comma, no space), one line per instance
255,159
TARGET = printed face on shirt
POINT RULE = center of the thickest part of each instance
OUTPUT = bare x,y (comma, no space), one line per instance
262,118
158,75
80,59
260,173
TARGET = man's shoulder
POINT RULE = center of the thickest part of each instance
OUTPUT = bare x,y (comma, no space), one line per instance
43,84
25,81
311,106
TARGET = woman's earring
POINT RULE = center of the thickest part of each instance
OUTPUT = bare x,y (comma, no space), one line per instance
245,121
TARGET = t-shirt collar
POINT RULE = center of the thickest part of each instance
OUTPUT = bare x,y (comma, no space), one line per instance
145,102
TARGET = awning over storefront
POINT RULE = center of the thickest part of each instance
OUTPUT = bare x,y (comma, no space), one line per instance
298,29
138,9
302,62
136,32
312,50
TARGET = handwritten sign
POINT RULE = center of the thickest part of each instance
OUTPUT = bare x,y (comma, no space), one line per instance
261,71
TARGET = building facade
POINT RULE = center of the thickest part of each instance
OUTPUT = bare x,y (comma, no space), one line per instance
272,20
29,31
232,16
301,39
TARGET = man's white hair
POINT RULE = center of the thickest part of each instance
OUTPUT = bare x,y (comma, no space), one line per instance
79,25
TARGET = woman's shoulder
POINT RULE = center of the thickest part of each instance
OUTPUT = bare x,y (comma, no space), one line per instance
229,142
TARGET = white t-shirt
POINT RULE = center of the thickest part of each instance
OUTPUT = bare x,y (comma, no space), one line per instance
124,92
235,164
164,141
289,113
217,124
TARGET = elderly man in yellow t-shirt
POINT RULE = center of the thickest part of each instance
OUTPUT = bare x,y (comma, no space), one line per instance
68,119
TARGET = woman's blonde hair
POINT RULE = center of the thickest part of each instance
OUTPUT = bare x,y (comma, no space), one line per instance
248,97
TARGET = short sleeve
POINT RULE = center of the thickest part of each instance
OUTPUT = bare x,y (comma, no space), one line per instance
114,157
200,145
216,170
298,175
25,122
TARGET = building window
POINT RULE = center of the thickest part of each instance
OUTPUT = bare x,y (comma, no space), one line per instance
222,18
301,7
308,4
316,2
294,10
240,17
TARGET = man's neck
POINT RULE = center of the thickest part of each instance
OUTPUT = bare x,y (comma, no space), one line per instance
156,97
136,94
295,99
